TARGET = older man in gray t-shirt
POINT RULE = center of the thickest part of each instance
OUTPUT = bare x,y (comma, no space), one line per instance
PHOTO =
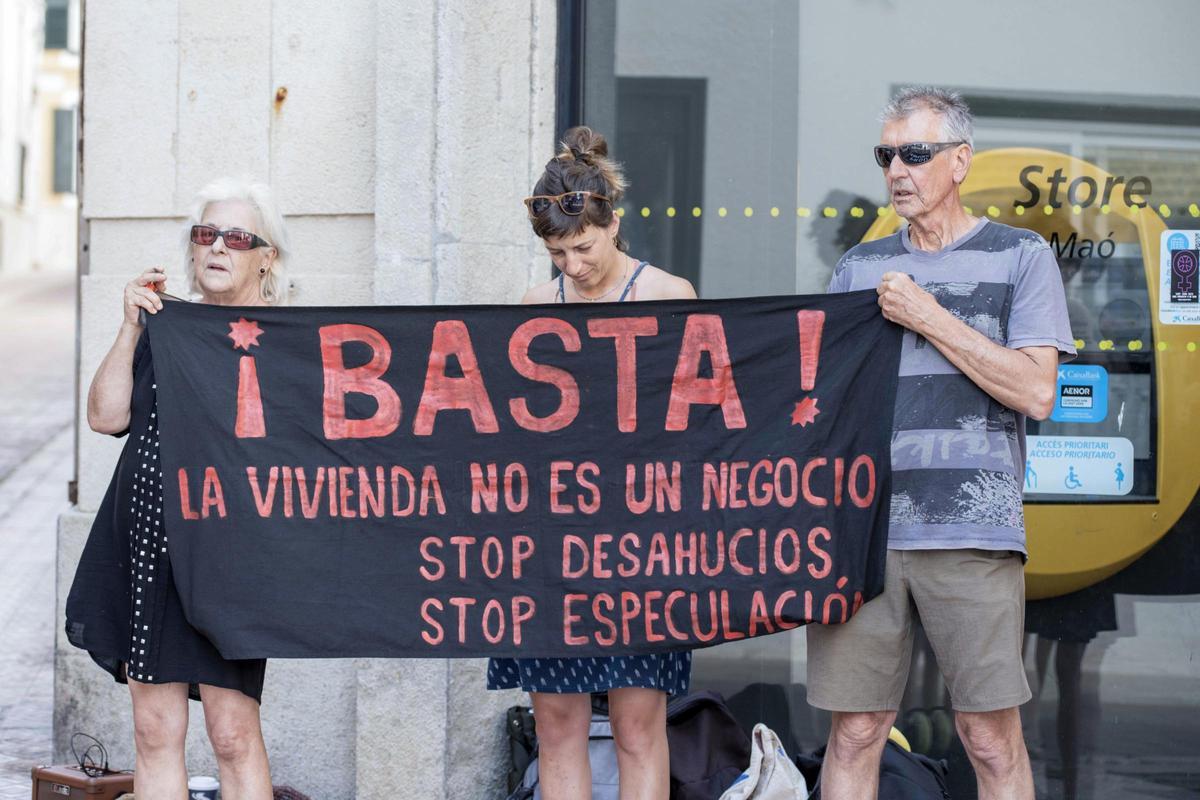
986,320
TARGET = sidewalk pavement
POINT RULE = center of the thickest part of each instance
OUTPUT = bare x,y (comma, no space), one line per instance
37,362
31,498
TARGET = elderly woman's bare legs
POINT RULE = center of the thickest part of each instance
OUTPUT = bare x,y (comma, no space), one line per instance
236,736
160,720
160,717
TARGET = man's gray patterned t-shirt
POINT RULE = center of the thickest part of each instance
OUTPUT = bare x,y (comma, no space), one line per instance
958,456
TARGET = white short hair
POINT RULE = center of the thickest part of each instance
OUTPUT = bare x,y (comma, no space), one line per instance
270,227
958,125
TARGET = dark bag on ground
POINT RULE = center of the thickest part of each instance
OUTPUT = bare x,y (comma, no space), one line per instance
709,750
522,743
902,775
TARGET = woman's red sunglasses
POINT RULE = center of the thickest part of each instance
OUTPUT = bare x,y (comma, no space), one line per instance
234,239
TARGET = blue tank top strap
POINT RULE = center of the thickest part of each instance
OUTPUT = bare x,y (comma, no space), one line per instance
632,279
561,296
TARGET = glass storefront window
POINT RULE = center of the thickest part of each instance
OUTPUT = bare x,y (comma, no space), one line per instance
746,131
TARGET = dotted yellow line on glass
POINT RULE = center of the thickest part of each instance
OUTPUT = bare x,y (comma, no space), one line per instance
858,212
1133,345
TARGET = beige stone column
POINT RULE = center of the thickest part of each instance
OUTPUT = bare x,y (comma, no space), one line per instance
400,139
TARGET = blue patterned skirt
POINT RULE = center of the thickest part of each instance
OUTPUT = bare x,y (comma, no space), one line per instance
667,672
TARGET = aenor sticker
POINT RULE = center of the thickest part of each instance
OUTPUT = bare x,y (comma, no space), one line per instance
1080,394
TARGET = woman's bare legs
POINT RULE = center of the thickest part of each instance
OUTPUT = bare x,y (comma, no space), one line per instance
236,736
639,723
160,719
564,771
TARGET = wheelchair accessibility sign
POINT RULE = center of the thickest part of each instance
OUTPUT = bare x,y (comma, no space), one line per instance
1081,394
1099,465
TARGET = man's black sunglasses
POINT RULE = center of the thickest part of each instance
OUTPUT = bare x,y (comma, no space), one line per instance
912,153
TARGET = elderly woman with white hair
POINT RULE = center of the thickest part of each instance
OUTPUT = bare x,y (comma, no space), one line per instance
124,608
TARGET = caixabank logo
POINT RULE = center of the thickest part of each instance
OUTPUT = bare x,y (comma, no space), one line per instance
1082,394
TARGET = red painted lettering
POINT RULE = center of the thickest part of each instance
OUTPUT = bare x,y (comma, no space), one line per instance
624,332
250,423
438,633
431,489
443,393
826,561
213,494
370,499
439,568
518,354
185,502
340,381
865,464
265,505
570,618
704,333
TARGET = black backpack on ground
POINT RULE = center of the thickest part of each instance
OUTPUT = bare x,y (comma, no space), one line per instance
522,743
902,775
911,776
709,749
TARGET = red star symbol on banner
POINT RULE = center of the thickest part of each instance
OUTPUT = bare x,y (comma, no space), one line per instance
806,411
244,333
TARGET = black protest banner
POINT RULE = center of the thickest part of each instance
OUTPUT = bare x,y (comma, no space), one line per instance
523,480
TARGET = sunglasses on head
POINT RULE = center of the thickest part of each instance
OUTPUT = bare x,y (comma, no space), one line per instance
912,153
234,238
572,203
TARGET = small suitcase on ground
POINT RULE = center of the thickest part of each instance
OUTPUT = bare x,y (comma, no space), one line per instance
74,783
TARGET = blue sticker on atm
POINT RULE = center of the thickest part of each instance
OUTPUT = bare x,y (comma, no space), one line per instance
1081,394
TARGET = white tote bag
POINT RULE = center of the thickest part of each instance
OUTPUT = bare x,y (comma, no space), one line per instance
771,774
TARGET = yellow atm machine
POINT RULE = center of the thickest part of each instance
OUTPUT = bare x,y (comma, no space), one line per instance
1118,464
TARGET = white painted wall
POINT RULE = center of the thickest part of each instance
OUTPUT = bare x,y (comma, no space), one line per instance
19,50
37,232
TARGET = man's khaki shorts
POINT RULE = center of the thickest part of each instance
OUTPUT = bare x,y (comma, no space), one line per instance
972,605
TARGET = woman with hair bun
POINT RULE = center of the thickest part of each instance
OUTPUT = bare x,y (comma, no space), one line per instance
572,211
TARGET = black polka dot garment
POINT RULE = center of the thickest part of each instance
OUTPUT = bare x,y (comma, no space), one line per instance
147,541
667,672
123,606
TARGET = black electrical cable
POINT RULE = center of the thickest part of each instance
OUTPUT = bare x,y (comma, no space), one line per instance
85,761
